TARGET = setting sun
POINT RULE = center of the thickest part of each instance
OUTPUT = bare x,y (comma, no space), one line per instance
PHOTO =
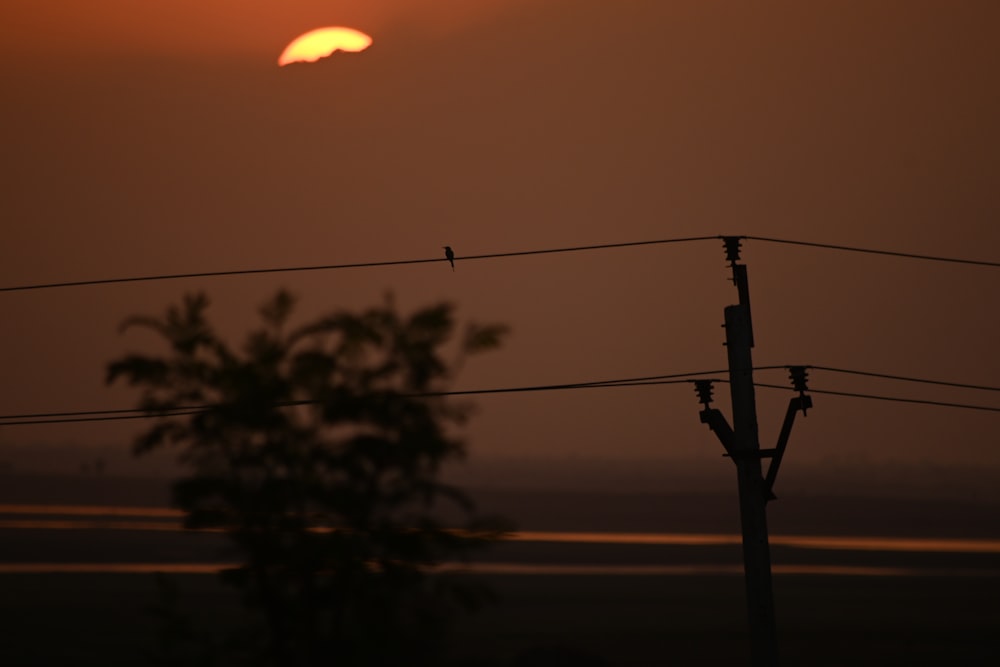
321,42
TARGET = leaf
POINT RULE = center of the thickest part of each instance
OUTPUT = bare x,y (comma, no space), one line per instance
138,369
167,432
276,311
479,338
432,324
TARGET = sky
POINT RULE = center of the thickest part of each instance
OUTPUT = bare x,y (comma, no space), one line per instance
162,137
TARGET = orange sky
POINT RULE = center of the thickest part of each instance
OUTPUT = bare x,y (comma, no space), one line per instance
165,139
215,28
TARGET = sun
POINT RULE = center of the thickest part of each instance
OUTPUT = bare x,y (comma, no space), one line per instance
321,42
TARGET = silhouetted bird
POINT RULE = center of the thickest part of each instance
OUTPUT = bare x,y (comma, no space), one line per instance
449,255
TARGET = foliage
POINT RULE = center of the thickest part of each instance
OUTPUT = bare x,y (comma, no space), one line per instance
317,449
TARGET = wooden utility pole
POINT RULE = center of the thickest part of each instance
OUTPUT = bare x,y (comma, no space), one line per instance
742,444
746,455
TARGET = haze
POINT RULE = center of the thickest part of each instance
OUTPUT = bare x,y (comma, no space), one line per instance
165,140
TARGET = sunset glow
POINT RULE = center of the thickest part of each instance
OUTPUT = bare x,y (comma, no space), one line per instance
320,43
108,517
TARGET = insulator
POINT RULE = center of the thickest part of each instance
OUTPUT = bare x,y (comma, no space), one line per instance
799,376
704,390
732,248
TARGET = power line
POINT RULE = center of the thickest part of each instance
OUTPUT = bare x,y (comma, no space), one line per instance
138,413
143,413
894,399
93,413
355,265
872,251
108,418
556,387
120,415
79,416
905,378
496,255
638,380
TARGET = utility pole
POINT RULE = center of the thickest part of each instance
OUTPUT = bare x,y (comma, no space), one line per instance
742,444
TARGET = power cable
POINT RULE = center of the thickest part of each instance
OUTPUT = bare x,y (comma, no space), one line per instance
138,413
872,251
102,416
24,419
355,265
905,378
108,418
496,255
895,399
194,409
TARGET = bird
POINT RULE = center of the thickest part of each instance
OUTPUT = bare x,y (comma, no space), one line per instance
449,255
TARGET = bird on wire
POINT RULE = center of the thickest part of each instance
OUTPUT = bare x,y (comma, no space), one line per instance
449,255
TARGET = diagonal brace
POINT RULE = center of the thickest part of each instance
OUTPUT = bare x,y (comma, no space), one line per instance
717,423
802,403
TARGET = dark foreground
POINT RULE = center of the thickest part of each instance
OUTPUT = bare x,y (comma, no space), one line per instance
938,607
101,619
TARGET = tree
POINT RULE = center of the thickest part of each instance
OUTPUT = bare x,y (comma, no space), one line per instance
317,449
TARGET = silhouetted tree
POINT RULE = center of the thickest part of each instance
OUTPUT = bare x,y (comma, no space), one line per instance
317,449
